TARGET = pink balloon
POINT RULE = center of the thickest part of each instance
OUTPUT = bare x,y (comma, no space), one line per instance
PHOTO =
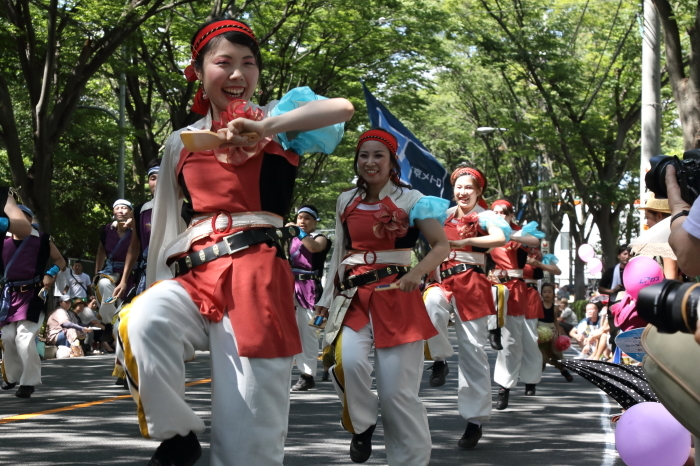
586,252
648,435
640,272
595,266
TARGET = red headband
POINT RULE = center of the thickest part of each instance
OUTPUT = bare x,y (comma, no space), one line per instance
473,172
379,135
502,202
201,104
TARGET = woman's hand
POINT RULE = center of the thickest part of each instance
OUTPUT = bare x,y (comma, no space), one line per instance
232,135
87,330
409,282
48,281
460,243
321,311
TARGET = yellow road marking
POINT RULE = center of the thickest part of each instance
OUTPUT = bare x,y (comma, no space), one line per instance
24,417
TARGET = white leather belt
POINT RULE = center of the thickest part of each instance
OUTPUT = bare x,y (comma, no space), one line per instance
389,257
511,273
531,281
467,257
203,226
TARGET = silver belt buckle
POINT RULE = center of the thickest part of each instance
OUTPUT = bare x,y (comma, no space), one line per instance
228,245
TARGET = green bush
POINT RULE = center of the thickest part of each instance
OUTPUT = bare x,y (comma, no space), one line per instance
579,307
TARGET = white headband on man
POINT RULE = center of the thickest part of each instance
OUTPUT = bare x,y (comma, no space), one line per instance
311,212
122,202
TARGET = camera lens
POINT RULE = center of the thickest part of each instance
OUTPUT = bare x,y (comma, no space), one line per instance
685,307
655,178
670,306
654,304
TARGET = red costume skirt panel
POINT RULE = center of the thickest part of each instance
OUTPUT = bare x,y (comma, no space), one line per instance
535,308
472,293
256,288
518,298
397,317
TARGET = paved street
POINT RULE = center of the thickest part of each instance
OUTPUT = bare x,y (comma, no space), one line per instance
87,420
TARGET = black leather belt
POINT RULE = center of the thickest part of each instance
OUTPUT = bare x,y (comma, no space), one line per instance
27,287
532,285
460,268
306,276
373,276
232,244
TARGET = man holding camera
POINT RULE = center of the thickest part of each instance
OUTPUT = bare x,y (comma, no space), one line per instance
685,229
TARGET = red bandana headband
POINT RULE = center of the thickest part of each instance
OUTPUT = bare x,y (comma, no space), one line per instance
379,135
476,174
502,202
201,104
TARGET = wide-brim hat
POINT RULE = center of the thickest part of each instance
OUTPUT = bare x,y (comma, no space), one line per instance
77,301
657,205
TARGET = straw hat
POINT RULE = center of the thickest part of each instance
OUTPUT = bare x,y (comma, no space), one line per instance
657,205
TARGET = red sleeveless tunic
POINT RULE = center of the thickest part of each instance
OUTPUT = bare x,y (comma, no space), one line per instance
471,289
254,286
397,317
511,256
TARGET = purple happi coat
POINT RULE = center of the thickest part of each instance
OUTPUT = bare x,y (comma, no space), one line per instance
31,263
307,292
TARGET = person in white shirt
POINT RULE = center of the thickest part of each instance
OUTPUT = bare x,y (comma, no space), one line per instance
78,282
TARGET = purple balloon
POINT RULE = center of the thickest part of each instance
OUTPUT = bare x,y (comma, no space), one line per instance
648,435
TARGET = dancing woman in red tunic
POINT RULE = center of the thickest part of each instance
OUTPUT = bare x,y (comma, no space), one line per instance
225,283
464,289
377,224
510,260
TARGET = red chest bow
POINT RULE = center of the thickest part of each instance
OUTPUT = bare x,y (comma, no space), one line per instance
240,109
468,226
390,224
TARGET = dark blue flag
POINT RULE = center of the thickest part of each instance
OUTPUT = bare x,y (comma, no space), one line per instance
419,167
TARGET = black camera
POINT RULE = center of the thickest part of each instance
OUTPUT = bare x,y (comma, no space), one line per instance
670,306
687,174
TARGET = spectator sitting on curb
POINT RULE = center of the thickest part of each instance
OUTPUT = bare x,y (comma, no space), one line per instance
583,333
64,327
88,318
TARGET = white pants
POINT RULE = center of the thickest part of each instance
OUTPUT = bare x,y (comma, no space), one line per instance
439,311
307,360
531,368
250,396
20,357
398,372
105,289
510,363
474,393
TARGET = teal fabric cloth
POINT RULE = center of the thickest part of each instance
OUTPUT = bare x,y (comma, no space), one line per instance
429,207
307,142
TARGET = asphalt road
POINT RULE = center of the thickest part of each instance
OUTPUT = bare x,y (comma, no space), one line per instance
84,419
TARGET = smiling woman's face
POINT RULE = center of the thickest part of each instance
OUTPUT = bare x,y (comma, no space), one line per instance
229,72
466,192
374,162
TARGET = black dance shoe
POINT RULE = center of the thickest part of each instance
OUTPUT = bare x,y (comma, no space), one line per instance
177,451
7,385
325,377
440,371
567,375
304,383
502,402
471,436
24,391
361,445
530,389
495,339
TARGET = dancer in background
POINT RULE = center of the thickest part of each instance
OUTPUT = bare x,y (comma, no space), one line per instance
377,224
533,271
224,282
27,283
307,253
464,289
510,260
